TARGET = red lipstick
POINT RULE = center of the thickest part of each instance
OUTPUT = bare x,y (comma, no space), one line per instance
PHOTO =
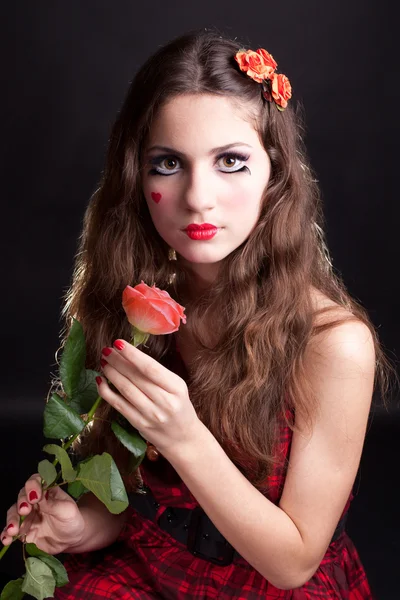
204,231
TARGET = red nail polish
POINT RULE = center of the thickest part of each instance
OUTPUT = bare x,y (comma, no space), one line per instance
119,345
23,505
33,496
9,526
106,351
3,538
98,380
103,362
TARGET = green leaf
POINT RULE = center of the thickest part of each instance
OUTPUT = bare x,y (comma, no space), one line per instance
60,421
58,569
12,590
134,463
132,440
68,472
118,491
47,471
86,393
101,476
76,489
39,580
73,359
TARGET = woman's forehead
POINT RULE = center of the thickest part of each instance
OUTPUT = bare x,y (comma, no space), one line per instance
201,122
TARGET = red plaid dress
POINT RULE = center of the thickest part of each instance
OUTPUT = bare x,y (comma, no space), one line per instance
146,563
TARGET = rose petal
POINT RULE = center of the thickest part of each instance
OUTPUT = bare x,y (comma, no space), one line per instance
152,319
268,58
130,291
147,291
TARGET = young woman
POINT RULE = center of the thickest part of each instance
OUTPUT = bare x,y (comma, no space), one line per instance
256,409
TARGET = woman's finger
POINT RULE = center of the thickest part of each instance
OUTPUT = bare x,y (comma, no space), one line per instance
124,406
24,507
129,381
13,527
146,405
146,368
29,495
33,488
21,508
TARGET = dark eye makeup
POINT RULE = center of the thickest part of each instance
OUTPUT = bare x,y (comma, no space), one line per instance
157,160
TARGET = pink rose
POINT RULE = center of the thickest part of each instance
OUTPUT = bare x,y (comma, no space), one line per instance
152,310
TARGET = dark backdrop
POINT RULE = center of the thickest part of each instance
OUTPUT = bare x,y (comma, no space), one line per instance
66,68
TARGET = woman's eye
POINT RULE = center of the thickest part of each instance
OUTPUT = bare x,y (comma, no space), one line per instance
163,166
233,162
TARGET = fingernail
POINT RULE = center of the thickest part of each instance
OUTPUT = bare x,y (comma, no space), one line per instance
103,362
33,496
106,351
23,505
119,345
98,380
10,526
3,538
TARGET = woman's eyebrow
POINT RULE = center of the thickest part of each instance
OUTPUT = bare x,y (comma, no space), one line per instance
212,151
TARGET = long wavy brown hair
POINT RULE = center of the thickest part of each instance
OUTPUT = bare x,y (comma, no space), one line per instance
260,310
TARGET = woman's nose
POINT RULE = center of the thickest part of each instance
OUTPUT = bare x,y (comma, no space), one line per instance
198,194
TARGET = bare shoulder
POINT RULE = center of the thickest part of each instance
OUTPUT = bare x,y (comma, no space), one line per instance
350,336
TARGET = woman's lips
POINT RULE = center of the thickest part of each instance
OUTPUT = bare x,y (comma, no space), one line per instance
204,231
201,234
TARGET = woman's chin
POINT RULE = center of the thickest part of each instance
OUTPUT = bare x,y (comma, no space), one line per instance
201,257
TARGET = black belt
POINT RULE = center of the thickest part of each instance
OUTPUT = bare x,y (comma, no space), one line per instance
194,529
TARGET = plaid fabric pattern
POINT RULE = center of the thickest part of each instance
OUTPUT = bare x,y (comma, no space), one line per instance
146,563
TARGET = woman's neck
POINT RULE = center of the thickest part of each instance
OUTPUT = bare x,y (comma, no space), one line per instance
201,276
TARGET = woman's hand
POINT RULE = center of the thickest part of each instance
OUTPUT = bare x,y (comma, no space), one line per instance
152,398
53,520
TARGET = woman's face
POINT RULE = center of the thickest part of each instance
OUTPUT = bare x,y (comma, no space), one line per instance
204,164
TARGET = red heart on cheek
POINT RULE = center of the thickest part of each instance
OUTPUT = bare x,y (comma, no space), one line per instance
156,196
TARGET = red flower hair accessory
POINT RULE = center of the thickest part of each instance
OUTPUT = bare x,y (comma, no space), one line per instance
261,66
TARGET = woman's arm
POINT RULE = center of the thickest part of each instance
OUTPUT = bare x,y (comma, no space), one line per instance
101,527
286,543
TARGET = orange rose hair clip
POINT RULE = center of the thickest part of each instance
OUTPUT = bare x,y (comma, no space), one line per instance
261,66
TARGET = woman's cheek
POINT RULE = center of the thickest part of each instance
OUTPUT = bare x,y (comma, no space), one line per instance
153,191
236,200
159,205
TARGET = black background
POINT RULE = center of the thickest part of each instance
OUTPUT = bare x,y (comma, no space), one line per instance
65,70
